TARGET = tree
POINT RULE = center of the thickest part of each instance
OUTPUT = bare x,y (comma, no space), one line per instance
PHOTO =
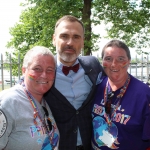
124,19
37,22
127,20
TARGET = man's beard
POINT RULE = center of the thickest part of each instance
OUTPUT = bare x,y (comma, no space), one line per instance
68,57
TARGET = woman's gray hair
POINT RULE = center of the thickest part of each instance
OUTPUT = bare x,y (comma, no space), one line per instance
37,50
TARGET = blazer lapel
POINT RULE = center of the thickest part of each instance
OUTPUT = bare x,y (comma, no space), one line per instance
88,68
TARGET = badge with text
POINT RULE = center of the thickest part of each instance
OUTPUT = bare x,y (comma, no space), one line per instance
3,123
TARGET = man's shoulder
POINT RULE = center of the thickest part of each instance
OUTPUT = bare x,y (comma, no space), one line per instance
87,57
90,63
88,60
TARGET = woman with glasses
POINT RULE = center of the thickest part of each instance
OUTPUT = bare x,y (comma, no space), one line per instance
26,121
121,108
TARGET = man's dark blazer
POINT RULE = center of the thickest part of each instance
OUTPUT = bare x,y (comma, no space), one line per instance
67,118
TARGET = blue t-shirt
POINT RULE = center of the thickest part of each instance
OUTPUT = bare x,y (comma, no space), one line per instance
130,128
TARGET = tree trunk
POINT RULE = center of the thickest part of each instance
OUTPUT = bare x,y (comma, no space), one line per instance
87,24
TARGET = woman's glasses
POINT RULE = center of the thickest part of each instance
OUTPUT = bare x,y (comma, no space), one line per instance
108,103
48,123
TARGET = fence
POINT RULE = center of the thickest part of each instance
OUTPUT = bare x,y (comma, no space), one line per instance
139,68
6,77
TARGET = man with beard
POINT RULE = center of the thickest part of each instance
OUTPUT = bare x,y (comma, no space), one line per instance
72,93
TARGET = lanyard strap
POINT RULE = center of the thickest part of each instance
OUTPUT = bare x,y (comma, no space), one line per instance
50,133
34,105
119,96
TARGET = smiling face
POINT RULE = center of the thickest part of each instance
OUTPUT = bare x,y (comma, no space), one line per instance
39,75
115,63
68,40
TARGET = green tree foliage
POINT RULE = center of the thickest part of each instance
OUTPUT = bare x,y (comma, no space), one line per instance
36,25
127,20
124,19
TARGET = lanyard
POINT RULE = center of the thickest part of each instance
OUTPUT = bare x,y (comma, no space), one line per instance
36,112
118,100
50,133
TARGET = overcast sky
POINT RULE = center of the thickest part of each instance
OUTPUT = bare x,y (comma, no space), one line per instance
9,15
10,11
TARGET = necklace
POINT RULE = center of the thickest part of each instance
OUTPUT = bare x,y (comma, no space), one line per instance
118,100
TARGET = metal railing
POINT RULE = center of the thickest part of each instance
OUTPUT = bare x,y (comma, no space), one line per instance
6,76
139,69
